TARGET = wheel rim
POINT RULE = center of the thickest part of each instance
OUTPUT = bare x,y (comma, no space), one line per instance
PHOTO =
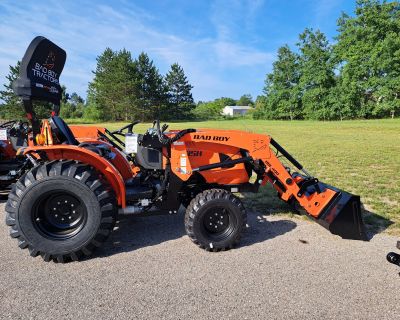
59,214
218,223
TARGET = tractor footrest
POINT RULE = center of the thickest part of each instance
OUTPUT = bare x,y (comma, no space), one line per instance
134,193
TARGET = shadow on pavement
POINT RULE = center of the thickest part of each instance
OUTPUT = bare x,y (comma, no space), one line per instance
132,233
260,229
374,223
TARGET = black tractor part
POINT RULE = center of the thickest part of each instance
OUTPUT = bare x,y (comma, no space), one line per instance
39,75
215,220
40,71
61,210
12,166
394,258
343,216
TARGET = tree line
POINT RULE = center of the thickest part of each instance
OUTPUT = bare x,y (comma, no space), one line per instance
126,89
122,89
358,76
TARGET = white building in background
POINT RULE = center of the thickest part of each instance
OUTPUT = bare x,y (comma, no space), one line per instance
235,110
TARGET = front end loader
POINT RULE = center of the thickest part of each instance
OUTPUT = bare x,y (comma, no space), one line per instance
67,204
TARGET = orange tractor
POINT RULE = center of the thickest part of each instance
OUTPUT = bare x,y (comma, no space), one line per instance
13,135
67,204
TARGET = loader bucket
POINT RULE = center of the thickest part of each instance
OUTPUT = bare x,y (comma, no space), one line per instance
343,216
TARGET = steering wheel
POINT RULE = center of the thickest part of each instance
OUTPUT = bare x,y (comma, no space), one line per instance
128,126
16,128
25,126
8,124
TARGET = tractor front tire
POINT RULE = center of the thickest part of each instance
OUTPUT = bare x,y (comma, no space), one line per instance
61,210
215,220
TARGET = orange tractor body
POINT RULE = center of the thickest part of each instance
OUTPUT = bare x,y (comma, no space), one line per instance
13,135
84,177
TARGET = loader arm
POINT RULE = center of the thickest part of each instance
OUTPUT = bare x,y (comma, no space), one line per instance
335,209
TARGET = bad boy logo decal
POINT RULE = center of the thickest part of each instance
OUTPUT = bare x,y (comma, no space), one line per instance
50,60
210,138
45,71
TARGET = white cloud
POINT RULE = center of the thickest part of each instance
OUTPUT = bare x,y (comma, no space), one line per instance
85,32
325,11
233,55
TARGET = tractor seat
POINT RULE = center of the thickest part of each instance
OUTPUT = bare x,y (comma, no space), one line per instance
62,131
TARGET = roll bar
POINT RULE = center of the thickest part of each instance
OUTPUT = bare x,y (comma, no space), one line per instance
39,75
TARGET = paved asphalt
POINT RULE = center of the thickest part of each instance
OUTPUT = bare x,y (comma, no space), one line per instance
149,269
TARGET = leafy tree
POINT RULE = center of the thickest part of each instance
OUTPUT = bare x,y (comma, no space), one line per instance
180,99
207,111
12,107
282,92
123,89
212,109
368,55
245,100
150,91
79,105
112,89
316,75
91,110
72,106
261,102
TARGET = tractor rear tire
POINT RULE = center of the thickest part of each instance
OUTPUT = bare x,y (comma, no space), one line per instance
61,210
215,220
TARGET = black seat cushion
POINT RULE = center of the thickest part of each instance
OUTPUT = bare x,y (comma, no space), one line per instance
62,131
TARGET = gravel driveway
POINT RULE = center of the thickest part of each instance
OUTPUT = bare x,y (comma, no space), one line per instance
149,269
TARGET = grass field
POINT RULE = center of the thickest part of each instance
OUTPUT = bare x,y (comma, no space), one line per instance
362,157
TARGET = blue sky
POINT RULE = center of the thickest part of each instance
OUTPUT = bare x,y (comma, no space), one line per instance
225,47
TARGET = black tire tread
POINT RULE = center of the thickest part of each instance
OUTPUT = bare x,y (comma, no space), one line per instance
198,201
85,174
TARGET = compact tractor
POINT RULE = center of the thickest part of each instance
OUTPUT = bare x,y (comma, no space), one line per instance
13,135
67,204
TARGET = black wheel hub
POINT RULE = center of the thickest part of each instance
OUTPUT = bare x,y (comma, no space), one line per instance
216,220
59,215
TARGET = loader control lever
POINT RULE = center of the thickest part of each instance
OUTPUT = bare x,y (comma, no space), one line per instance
128,126
114,134
166,140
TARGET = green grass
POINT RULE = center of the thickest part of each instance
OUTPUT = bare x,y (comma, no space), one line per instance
361,157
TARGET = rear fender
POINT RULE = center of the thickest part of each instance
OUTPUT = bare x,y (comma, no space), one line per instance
83,133
106,168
